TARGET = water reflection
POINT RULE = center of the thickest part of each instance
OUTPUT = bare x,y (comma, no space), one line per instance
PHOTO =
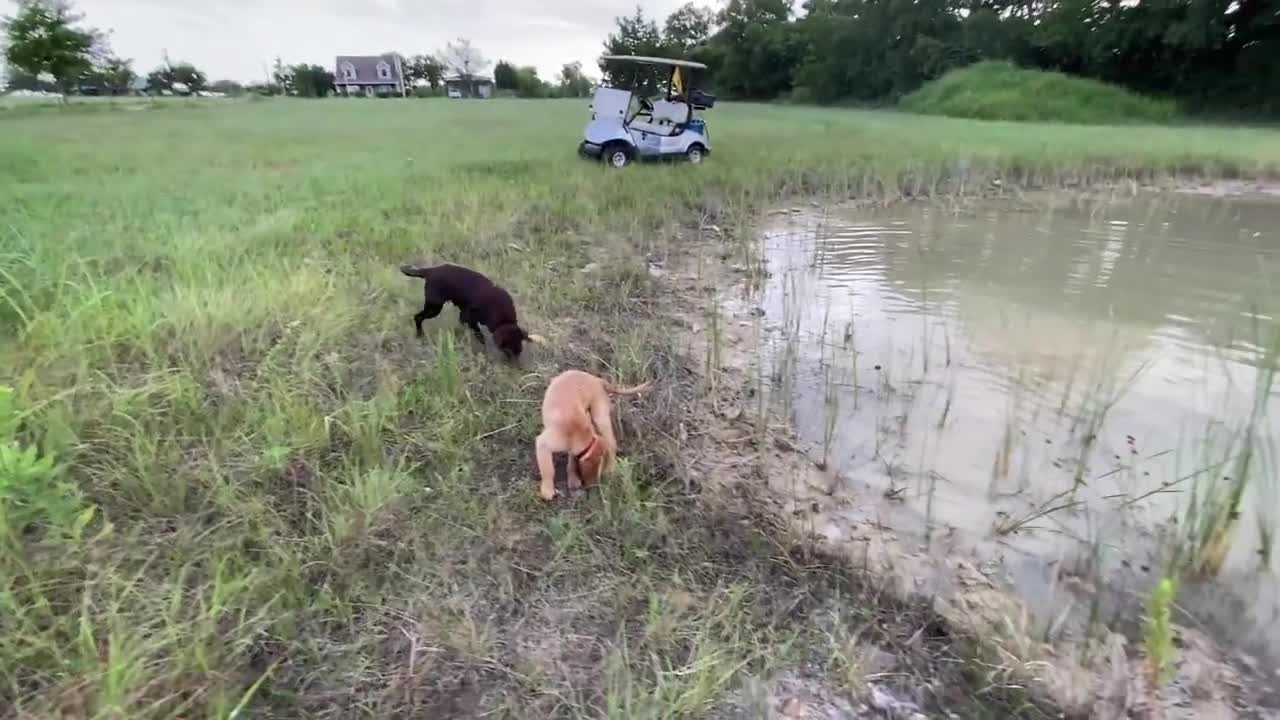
979,365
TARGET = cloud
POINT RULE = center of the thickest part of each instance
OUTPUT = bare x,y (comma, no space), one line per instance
239,39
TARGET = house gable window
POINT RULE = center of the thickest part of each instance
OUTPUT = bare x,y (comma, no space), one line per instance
384,70
348,71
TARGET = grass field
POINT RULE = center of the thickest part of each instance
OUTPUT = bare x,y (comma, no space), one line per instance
300,509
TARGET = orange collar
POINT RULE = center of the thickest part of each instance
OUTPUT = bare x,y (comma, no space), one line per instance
591,446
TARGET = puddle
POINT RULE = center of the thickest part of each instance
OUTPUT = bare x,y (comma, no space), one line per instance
1043,388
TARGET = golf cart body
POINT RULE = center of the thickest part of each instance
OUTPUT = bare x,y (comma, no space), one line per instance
626,126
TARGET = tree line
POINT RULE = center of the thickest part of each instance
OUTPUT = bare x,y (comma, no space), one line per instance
47,47
523,81
1207,53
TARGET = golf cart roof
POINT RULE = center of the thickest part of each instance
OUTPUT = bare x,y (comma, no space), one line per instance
655,61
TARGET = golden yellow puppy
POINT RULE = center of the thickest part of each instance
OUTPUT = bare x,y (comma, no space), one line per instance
577,445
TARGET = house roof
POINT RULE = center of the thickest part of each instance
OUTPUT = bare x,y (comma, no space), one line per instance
366,67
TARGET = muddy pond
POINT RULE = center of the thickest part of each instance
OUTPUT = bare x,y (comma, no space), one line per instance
1053,391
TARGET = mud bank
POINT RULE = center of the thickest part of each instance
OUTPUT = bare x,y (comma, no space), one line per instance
1231,188
743,448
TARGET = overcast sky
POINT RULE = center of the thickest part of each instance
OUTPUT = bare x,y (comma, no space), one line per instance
238,39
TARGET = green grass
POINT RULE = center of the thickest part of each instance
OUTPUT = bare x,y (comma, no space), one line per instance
1236,463
1158,634
1002,91
12,106
300,509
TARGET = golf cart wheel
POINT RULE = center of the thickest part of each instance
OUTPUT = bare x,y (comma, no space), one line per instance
616,156
696,154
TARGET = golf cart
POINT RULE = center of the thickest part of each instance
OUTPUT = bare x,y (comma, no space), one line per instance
626,126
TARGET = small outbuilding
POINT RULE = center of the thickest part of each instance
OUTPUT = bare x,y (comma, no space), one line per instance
472,86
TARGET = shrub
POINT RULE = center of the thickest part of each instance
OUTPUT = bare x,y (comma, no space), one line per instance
32,494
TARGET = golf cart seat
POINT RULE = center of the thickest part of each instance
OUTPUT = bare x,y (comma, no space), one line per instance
666,118
701,100
676,113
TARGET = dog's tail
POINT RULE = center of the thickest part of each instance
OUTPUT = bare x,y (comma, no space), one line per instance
635,390
419,271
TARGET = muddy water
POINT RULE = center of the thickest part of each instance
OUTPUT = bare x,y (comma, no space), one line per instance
959,373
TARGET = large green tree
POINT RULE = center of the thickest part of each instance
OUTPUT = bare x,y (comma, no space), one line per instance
1215,53
636,34
310,81
758,48
686,28
572,82
528,84
44,39
505,76
423,68
872,49
117,74
167,76
109,74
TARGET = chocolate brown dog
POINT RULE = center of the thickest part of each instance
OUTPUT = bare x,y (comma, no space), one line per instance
479,302
577,445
